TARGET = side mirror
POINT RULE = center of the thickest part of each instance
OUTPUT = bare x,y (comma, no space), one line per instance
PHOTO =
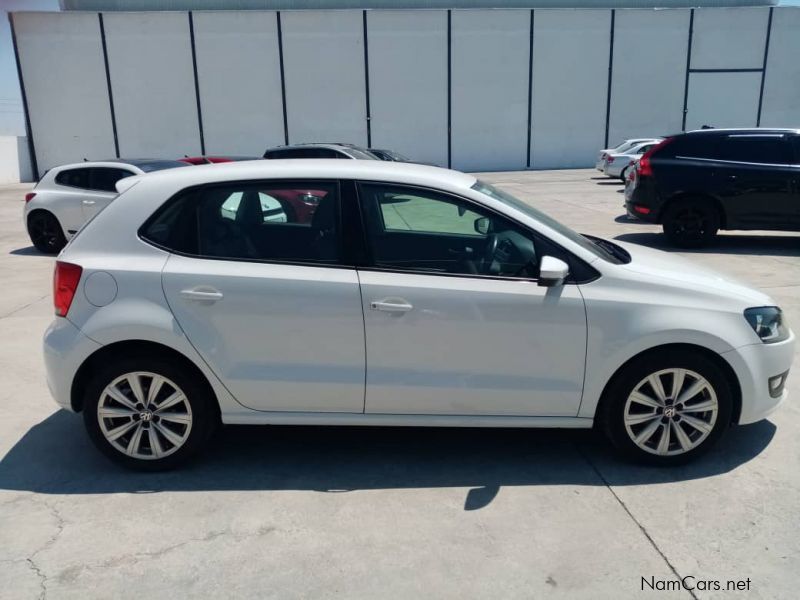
552,271
482,225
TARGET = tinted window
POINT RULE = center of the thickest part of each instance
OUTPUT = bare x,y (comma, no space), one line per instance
796,146
755,149
289,222
78,178
104,179
422,230
148,166
692,146
304,153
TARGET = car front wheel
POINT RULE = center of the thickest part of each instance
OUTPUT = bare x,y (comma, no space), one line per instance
147,413
667,407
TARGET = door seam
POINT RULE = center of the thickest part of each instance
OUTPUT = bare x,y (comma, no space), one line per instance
364,329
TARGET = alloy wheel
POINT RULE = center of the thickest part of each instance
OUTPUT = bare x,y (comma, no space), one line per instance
671,412
144,415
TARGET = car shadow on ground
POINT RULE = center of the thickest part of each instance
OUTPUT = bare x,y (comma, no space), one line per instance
29,251
56,457
610,181
762,245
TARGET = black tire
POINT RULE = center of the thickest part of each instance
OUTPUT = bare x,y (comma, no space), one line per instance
204,413
612,411
691,223
45,232
623,174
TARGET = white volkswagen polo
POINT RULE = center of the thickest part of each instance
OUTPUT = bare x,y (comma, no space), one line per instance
390,294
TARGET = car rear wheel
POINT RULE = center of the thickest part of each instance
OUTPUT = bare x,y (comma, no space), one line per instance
667,408
45,232
624,174
147,413
691,223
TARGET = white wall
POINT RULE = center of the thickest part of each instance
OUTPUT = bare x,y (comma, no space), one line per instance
729,38
781,104
152,78
408,82
15,164
649,73
570,86
65,82
723,100
489,92
239,78
323,54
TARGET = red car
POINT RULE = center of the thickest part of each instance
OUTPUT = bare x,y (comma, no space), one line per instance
207,160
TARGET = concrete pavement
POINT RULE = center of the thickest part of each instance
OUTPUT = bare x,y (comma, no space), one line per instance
362,513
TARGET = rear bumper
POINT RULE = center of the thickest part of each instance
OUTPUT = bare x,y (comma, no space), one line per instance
65,350
754,365
637,196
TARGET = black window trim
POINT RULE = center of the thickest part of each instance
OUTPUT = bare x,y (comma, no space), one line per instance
176,197
371,266
89,176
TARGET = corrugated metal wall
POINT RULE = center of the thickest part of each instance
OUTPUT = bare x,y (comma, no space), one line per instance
473,89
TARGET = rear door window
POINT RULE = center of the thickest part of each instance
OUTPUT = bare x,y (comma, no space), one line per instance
755,149
77,178
292,222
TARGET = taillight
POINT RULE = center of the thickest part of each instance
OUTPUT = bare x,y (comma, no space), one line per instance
641,209
645,168
65,283
610,159
29,196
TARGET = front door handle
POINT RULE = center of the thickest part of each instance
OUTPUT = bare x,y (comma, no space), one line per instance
88,202
391,305
202,294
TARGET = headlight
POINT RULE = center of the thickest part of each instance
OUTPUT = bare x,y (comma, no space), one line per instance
768,323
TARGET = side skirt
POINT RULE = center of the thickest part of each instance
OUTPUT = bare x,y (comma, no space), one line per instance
359,419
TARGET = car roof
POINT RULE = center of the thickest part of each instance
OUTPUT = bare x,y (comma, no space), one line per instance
314,168
743,130
145,164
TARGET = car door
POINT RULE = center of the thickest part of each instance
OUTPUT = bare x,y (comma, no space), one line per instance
455,321
756,181
101,189
267,303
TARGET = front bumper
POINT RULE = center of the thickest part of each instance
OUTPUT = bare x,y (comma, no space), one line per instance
65,350
754,365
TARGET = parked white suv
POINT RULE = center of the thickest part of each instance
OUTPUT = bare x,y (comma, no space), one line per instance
409,295
68,196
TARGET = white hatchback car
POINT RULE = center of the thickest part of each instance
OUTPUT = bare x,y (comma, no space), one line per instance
409,295
618,164
600,165
69,195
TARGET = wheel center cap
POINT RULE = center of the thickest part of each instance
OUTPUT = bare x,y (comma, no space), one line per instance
669,412
146,416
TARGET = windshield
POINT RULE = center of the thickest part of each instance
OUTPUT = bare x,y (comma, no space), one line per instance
604,249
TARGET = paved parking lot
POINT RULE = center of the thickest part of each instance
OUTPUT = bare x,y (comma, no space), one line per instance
393,513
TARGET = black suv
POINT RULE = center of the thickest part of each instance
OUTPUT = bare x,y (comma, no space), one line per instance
699,182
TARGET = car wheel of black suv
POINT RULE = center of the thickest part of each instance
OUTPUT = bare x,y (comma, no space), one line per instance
690,223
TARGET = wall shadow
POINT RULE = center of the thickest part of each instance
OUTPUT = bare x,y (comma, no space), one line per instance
760,245
56,457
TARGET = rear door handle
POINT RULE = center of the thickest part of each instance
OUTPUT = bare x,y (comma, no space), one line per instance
88,202
391,305
202,295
